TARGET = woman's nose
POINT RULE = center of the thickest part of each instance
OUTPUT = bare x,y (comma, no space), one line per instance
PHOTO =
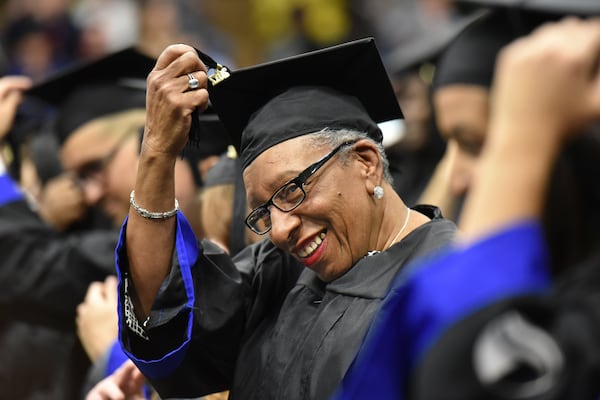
283,225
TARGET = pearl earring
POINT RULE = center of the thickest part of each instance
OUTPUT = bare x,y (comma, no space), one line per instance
378,192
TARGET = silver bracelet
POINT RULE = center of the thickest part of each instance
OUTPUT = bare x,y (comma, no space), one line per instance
149,214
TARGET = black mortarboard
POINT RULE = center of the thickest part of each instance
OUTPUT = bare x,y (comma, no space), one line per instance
208,135
561,7
427,40
344,86
470,58
91,89
224,172
483,39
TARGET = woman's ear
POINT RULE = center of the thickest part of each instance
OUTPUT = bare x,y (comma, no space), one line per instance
370,160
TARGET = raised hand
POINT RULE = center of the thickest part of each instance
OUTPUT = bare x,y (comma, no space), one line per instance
11,94
550,80
546,88
126,383
170,100
97,318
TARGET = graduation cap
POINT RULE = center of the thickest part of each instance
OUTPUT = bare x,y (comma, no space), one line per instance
225,170
113,83
344,86
481,41
561,7
427,41
92,89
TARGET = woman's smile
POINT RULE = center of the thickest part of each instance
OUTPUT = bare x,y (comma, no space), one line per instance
312,249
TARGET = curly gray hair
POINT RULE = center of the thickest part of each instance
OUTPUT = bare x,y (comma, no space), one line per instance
334,137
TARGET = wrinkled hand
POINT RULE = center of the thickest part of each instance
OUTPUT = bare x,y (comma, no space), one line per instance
170,102
97,325
11,94
62,202
125,383
550,80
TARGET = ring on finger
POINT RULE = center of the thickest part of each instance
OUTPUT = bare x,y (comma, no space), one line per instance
193,83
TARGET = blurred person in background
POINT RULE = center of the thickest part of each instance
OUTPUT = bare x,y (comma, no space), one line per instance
47,273
530,268
44,276
420,155
161,24
223,205
105,26
40,37
51,192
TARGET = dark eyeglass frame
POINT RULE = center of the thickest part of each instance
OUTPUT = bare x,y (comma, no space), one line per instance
91,170
262,212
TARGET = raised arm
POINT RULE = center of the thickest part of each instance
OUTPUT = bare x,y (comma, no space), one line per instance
546,88
11,94
169,105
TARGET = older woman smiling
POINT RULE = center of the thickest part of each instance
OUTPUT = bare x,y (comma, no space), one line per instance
286,316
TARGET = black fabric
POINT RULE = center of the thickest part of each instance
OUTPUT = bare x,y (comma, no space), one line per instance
207,135
570,316
129,66
299,111
237,234
427,41
353,68
92,101
471,57
44,277
44,153
224,172
91,89
268,328
563,7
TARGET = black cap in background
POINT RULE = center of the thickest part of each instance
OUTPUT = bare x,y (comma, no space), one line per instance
507,20
427,41
225,170
89,90
354,70
471,57
561,7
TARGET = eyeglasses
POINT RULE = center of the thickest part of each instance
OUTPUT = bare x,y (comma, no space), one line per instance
288,197
92,171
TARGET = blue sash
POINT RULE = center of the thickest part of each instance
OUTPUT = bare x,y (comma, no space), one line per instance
9,191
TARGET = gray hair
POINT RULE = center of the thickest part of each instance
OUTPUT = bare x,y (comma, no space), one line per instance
334,137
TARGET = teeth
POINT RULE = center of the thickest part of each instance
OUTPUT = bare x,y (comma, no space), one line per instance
311,247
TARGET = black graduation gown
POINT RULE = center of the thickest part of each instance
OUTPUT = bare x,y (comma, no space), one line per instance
43,277
264,327
550,347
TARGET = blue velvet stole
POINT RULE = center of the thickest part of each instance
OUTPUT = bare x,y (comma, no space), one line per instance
9,191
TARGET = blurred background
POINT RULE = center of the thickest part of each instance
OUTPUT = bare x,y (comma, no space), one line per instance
41,36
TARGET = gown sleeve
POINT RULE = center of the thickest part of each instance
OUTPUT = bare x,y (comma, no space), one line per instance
432,294
48,272
205,307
